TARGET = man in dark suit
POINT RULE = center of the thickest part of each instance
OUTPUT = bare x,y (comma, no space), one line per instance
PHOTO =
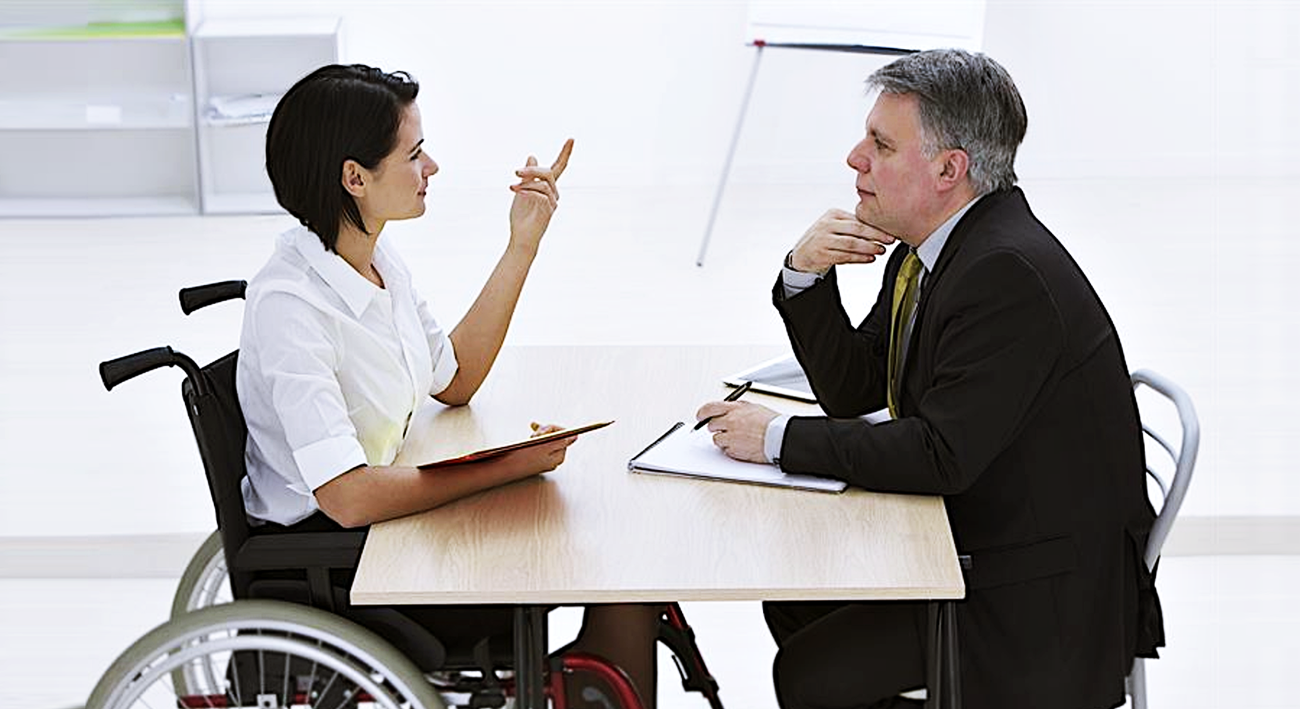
1010,397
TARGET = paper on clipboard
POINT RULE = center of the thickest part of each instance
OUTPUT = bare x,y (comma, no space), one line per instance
779,376
486,453
686,452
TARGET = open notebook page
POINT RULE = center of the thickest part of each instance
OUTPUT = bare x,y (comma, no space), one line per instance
692,454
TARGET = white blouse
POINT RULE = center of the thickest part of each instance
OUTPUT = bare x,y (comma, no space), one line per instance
331,367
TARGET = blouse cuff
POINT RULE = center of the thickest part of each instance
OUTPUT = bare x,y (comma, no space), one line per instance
444,368
325,460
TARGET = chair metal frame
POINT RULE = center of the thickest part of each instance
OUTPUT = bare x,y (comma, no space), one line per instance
1172,493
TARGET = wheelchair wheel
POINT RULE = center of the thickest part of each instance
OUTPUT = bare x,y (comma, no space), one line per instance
204,583
266,655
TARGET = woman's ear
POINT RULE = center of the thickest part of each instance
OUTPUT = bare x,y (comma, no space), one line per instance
354,178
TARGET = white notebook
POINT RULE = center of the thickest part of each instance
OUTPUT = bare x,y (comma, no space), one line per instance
683,451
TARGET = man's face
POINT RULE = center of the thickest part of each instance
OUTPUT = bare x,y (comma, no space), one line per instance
896,183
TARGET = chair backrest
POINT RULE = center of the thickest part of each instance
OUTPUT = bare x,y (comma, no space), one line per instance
221,433
1183,457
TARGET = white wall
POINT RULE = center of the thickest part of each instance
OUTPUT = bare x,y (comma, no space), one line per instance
1181,113
1155,88
1161,149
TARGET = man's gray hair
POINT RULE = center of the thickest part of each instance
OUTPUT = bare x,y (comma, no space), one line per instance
966,101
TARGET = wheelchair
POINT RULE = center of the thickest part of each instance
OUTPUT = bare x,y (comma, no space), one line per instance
263,621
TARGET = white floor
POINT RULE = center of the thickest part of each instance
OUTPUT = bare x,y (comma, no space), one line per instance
618,266
1233,630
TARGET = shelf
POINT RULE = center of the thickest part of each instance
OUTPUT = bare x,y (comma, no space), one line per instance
96,207
235,122
64,113
170,30
105,88
261,28
241,203
243,68
125,95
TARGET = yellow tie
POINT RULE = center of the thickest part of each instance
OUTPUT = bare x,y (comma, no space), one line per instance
900,313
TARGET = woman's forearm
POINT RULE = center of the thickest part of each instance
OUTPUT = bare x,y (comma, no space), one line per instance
478,337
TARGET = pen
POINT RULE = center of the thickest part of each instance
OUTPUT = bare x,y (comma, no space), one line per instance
739,392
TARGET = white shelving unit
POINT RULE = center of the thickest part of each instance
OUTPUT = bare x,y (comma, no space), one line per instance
105,106
96,125
244,67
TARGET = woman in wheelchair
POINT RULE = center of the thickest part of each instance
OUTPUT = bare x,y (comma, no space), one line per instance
337,349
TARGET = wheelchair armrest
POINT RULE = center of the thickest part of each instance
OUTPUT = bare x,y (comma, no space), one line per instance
328,550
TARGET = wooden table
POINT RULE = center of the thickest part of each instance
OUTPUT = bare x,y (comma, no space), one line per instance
592,532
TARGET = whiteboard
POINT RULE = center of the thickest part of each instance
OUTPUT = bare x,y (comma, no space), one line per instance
896,24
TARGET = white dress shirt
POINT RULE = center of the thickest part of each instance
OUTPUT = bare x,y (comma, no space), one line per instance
331,367
795,282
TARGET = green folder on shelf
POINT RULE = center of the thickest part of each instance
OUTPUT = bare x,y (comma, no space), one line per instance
98,30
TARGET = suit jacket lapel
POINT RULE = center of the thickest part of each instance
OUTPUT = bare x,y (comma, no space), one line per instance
956,240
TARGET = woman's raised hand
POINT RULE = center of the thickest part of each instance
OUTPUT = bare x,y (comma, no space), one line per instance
536,196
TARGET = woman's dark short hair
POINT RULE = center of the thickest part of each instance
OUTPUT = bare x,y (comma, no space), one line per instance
333,114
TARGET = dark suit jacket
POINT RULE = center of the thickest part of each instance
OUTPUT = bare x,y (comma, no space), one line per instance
1015,406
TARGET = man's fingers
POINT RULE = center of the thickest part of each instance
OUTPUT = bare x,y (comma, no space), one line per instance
713,408
855,245
561,162
853,227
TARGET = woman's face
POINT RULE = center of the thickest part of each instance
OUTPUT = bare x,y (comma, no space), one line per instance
395,189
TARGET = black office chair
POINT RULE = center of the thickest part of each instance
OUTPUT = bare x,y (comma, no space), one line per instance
304,572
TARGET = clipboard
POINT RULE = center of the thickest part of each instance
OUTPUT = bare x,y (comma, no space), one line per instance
487,453
685,452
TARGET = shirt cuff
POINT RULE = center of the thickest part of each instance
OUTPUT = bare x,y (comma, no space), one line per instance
774,437
796,282
325,460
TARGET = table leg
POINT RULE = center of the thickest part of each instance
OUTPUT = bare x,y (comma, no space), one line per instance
530,657
943,669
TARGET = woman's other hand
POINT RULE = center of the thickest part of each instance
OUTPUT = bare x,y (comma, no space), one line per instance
536,196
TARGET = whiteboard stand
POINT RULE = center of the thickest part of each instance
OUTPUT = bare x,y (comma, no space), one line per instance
744,108
731,153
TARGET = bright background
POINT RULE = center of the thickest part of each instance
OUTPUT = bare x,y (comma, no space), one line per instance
1161,149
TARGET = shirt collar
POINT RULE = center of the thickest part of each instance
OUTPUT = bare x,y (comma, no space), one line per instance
338,274
930,249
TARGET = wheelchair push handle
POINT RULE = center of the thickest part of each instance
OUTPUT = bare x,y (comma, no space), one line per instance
202,296
116,371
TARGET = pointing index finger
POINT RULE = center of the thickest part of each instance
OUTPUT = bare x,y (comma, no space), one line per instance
561,162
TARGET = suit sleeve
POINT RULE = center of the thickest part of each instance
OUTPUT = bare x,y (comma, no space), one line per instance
999,335
845,365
